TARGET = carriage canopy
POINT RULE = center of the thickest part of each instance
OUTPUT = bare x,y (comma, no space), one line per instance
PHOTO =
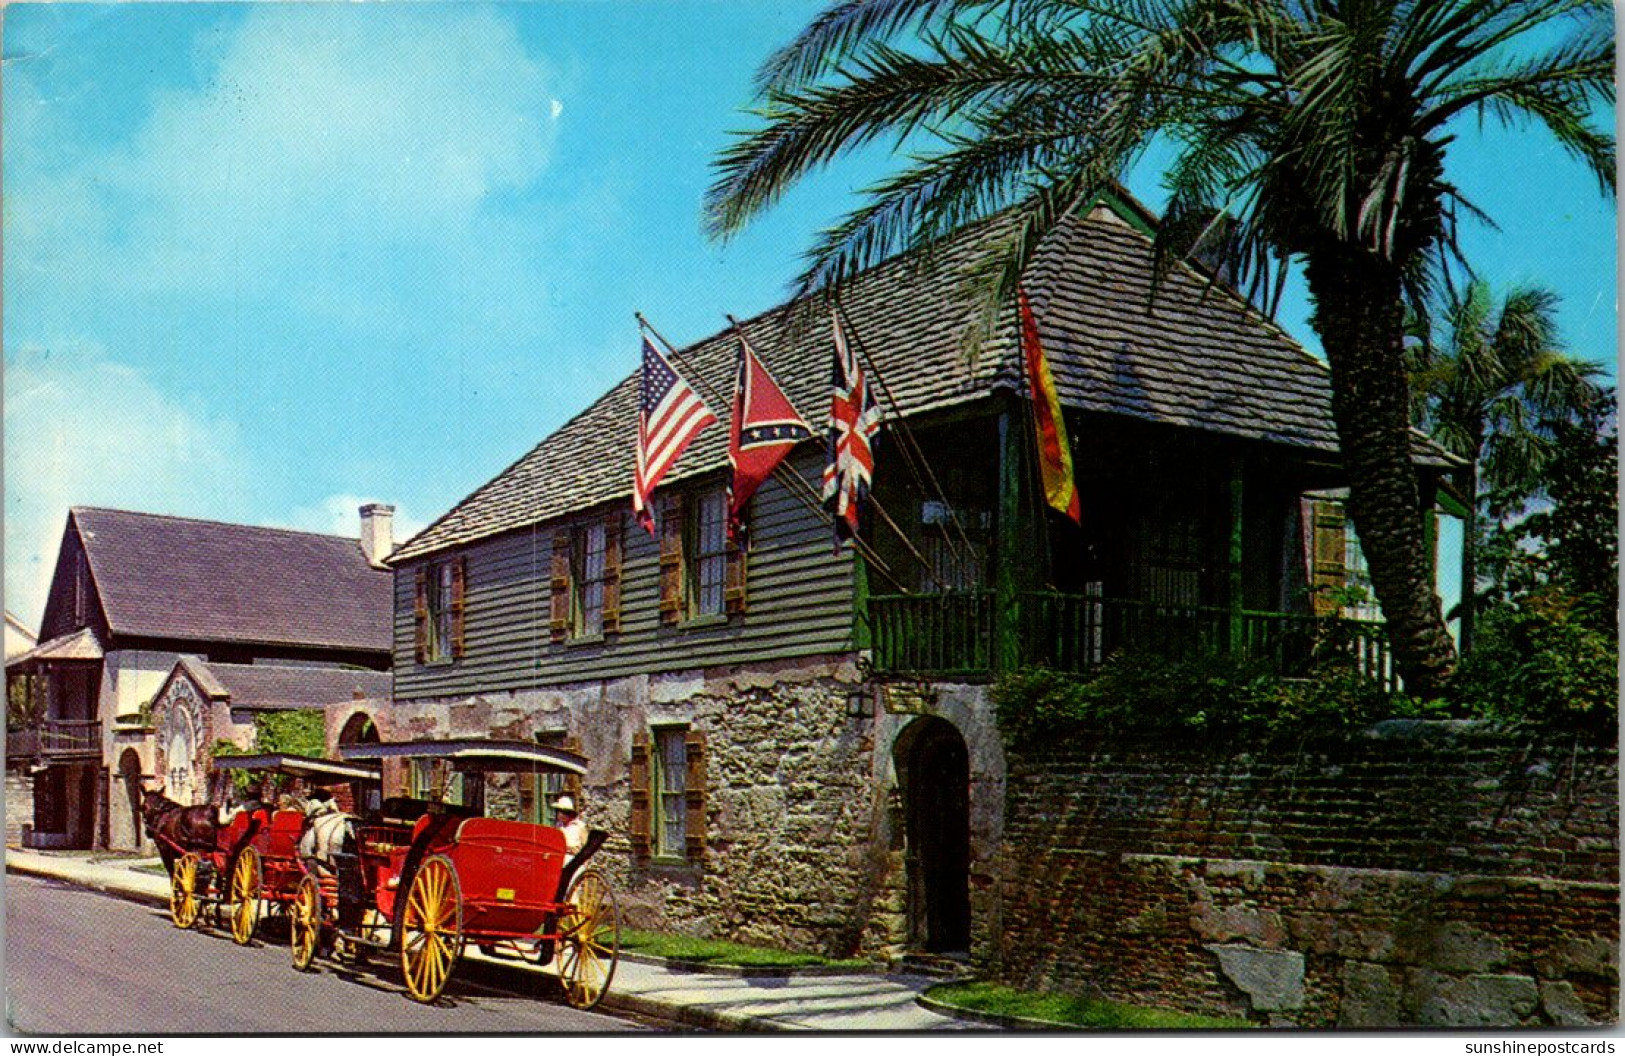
301,766
474,756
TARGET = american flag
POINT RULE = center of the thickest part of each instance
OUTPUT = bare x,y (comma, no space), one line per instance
670,417
854,418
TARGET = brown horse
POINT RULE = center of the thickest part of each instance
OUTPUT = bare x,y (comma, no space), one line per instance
176,828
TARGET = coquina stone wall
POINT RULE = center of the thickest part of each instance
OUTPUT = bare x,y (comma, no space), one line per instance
1437,873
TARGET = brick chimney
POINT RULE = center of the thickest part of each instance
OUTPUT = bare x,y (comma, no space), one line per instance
377,532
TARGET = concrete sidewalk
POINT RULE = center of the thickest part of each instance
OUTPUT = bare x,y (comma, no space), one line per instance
853,1002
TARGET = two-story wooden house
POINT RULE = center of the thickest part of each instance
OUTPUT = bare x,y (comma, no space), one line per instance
132,594
796,745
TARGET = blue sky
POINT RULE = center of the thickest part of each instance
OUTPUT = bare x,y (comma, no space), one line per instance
264,262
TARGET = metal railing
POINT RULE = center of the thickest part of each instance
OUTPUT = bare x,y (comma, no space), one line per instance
953,634
70,737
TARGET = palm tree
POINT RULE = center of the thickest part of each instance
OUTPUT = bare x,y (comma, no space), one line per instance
1493,384
1309,132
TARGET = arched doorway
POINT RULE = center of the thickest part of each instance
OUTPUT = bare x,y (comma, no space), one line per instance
933,767
129,775
360,729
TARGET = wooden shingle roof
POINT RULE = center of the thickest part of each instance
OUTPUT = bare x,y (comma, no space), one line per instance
282,687
1196,355
174,577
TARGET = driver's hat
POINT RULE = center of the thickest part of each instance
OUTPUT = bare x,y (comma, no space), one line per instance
565,803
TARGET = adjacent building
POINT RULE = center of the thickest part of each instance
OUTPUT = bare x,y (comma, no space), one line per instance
162,635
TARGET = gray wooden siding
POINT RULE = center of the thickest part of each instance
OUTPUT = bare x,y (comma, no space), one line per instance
799,596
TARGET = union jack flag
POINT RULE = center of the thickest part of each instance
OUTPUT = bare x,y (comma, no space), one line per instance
670,417
765,427
854,418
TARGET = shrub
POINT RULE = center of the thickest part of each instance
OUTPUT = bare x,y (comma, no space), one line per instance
1201,698
1541,660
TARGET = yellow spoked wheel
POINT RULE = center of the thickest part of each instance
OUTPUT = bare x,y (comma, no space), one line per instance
305,923
431,928
243,892
589,940
183,891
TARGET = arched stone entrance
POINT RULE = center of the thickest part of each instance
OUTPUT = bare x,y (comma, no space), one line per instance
933,770
360,729
131,783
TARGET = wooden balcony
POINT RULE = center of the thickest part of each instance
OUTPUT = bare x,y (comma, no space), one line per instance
61,739
953,634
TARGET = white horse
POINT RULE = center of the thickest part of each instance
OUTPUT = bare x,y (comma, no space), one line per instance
324,833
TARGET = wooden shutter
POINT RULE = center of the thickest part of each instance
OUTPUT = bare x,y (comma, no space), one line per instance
671,559
733,579
694,794
558,624
572,782
1328,564
420,615
612,573
640,824
459,597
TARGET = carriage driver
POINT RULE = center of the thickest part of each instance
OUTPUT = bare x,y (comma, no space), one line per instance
575,830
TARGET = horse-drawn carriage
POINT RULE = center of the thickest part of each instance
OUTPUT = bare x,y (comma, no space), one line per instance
251,857
424,877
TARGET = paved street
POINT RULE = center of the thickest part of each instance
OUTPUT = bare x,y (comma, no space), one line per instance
82,963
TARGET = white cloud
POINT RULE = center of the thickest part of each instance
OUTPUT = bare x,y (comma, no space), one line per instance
340,514
84,430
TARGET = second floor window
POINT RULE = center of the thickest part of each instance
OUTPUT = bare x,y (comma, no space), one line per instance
441,587
705,553
587,580
586,583
702,571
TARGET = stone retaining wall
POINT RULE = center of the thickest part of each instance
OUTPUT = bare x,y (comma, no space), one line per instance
1433,874
19,805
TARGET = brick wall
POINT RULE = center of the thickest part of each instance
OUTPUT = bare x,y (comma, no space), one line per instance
1421,873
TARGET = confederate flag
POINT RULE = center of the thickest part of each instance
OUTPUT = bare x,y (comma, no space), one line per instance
854,418
670,417
764,429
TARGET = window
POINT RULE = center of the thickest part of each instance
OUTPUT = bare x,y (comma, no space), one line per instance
668,794
586,584
439,610
538,791
702,571
431,776
705,553
670,811
587,580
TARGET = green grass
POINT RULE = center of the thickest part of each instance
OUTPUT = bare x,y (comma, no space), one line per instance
1067,1010
156,868
717,952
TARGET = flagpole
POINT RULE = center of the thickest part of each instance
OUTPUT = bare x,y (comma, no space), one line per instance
917,455
790,478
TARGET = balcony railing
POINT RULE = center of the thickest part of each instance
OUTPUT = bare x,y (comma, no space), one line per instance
953,634
70,738
941,634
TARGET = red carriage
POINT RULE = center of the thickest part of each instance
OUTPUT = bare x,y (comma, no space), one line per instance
423,878
255,856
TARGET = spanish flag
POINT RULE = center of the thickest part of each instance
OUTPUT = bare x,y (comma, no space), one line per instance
1054,449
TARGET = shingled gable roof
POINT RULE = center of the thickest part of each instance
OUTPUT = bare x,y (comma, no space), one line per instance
1194,355
284,687
177,578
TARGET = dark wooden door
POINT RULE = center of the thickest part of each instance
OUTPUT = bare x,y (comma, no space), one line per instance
939,839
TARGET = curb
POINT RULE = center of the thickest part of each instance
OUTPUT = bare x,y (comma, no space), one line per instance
995,1019
736,971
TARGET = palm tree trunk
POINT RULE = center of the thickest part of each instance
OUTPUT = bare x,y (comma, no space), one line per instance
1359,315
1467,611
